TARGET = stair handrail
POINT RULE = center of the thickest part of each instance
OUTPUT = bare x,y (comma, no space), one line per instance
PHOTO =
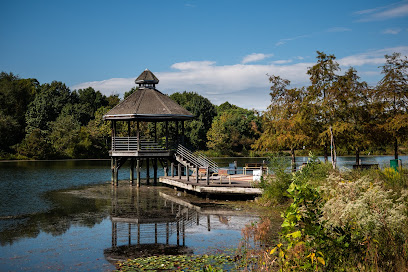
212,165
188,155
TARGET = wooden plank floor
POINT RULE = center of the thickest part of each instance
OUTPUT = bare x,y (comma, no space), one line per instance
240,184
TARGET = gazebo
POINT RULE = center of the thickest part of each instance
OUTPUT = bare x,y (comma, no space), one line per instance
148,105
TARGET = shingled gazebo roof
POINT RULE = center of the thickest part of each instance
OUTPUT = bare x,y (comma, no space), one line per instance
147,103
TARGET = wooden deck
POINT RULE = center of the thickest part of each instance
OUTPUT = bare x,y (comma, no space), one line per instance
240,185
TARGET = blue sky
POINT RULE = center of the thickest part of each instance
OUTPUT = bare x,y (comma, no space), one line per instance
220,49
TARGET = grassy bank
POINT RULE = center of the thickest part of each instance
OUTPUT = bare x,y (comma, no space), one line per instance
336,221
332,221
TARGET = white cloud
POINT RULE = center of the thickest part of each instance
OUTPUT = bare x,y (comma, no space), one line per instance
284,41
395,10
282,61
338,29
255,57
392,31
374,57
245,85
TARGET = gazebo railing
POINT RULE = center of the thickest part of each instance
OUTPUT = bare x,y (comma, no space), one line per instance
131,144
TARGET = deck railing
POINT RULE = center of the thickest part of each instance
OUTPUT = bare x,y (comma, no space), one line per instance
131,144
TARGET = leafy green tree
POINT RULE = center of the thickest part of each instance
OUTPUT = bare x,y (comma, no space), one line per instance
36,145
285,122
9,128
203,110
47,105
349,106
113,100
234,131
15,96
64,135
322,76
392,92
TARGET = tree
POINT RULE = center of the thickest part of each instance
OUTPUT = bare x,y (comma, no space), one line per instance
349,106
36,145
392,93
322,75
47,105
64,135
234,131
285,122
15,96
204,112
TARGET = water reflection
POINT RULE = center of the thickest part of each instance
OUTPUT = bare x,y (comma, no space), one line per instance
147,221
96,226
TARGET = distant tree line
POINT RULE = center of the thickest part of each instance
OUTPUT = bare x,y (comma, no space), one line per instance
339,107
49,121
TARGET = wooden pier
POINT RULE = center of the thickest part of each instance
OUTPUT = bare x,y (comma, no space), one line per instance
236,185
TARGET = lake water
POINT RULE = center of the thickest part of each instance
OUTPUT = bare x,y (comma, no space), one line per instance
64,215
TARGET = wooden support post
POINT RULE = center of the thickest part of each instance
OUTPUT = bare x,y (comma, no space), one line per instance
155,233
182,132
167,135
138,233
138,172
116,169
208,223
197,173
114,235
132,170
113,171
155,171
187,173
179,171
177,134
178,233
208,176
147,171
167,233
129,234
172,169
155,131
138,135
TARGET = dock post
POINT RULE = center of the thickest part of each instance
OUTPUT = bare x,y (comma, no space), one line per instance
132,170
187,173
197,173
208,176
179,171
113,171
147,172
155,171
138,172
172,169
115,167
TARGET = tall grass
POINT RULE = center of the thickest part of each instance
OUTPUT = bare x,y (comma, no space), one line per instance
337,221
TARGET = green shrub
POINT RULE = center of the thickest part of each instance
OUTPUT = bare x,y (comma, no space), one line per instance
275,185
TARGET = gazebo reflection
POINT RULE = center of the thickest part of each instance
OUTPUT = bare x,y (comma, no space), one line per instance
146,224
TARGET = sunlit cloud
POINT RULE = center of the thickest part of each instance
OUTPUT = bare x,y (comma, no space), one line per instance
255,57
393,31
395,10
284,41
245,85
282,61
338,29
374,57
